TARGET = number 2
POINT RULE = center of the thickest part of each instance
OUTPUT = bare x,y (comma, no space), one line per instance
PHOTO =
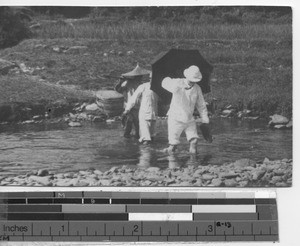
135,228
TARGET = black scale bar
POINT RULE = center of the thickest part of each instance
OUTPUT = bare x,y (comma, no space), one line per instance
13,201
183,201
67,216
95,201
67,200
125,201
39,201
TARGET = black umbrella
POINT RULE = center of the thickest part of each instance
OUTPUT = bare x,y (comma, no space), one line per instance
172,64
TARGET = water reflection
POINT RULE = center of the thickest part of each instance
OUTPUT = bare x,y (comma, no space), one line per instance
147,157
173,161
61,148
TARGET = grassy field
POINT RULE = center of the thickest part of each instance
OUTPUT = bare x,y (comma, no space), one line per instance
139,30
252,63
21,89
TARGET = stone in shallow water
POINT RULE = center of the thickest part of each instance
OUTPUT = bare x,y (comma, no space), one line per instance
244,163
279,126
41,180
42,172
198,173
216,182
276,179
279,172
68,175
272,166
31,173
198,183
105,182
258,174
98,119
113,170
85,173
92,107
170,181
74,124
289,125
281,184
207,176
175,184
248,168
230,183
37,117
278,119
267,177
244,183
64,182
185,183
146,183
80,184
153,169
59,176
229,175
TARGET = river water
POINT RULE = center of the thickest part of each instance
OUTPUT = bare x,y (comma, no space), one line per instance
60,148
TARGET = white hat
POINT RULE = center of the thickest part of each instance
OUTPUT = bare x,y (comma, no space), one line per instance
193,74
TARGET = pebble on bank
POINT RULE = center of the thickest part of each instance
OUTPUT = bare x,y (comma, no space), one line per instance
241,173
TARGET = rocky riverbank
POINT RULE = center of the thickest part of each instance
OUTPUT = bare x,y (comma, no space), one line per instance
241,173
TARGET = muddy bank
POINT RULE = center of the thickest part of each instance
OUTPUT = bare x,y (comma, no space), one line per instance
241,173
76,113
16,112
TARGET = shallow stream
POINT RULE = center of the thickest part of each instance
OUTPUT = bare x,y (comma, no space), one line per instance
60,148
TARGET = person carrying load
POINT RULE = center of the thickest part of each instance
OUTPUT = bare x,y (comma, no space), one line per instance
127,84
147,113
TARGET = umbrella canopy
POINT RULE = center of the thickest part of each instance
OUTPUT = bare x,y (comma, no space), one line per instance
172,64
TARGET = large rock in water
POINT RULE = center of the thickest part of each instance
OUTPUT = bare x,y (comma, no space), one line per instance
290,124
92,107
242,163
277,119
74,124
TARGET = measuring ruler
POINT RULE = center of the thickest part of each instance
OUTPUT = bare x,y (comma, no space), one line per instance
137,216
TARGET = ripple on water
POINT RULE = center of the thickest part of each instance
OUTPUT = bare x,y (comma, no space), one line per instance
60,148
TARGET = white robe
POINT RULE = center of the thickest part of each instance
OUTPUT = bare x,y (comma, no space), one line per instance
148,110
183,103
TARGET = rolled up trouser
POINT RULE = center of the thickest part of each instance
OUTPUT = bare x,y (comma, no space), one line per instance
132,119
147,129
175,128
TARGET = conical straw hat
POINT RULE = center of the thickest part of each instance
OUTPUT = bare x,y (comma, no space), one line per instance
137,71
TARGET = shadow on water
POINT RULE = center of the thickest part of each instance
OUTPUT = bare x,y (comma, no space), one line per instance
61,148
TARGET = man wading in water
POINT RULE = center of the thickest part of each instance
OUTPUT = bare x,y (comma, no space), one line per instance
186,95
126,86
147,113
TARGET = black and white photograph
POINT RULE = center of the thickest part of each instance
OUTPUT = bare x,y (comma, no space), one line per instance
146,96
